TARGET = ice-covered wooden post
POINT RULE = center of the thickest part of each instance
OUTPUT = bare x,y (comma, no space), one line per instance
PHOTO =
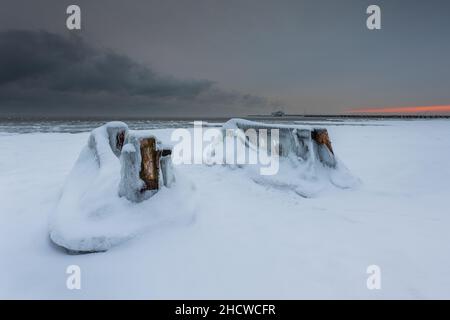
145,167
112,133
324,148
305,142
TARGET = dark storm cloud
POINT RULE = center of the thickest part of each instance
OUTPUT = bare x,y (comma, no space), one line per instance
49,71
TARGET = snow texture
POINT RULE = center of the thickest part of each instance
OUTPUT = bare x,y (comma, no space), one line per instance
245,240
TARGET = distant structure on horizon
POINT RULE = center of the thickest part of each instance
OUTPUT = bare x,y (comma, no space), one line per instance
278,113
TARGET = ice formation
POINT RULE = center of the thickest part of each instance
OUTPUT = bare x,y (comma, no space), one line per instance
123,182
92,216
138,183
307,163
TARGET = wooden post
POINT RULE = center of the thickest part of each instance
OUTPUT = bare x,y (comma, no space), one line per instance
321,137
120,139
149,164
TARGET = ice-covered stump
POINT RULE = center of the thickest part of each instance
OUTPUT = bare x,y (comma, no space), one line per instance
145,167
304,163
91,217
305,142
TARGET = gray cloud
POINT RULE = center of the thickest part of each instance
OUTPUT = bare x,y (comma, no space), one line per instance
316,56
46,73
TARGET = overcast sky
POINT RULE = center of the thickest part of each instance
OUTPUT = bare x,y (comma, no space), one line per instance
221,58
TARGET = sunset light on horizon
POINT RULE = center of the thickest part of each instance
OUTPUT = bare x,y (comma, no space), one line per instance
409,110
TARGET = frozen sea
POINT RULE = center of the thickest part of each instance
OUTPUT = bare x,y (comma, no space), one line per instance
246,240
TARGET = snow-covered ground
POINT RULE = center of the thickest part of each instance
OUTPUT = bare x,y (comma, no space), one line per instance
246,240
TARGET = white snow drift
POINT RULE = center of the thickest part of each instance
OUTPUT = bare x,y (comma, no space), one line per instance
91,216
245,240
305,167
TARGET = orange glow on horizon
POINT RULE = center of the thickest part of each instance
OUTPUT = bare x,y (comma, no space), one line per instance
418,109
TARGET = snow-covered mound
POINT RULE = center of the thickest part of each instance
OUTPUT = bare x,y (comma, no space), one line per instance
91,216
304,165
106,200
